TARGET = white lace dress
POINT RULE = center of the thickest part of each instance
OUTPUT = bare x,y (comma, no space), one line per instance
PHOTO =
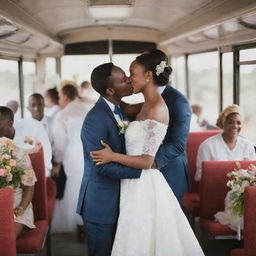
151,222
23,161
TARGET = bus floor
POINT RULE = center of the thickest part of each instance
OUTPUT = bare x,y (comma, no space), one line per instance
66,244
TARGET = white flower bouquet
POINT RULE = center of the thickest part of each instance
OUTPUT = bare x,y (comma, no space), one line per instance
239,179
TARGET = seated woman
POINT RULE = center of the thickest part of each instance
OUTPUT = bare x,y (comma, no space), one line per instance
23,195
12,157
228,145
15,159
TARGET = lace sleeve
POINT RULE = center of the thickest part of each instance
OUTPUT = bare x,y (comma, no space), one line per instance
155,133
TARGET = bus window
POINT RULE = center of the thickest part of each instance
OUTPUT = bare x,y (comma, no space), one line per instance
9,82
51,78
29,72
227,59
247,101
124,61
203,82
80,67
248,54
178,73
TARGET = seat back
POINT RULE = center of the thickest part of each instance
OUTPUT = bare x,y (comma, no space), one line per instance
194,141
7,227
213,188
40,196
249,221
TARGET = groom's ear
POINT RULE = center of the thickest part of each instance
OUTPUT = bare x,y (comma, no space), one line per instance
110,91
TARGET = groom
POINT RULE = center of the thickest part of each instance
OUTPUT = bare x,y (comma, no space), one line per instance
98,202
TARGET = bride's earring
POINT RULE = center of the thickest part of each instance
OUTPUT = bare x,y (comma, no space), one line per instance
147,80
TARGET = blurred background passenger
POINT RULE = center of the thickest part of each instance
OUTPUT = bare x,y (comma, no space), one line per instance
14,106
197,111
194,125
68,151
228,145
51,99
88,94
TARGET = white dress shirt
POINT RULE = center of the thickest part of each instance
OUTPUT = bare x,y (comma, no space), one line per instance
112,107
33,128
52,111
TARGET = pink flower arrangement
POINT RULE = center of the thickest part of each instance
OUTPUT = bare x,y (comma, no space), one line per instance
10,173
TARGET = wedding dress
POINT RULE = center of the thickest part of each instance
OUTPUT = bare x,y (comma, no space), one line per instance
151,222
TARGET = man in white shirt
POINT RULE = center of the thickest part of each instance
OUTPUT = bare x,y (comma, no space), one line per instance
26,128
36,107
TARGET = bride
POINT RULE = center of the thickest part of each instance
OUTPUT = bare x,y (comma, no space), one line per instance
151,222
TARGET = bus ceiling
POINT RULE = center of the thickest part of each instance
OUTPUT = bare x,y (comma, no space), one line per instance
30,28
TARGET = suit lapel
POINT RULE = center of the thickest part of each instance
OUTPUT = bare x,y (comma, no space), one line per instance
107,109
109,112
165,93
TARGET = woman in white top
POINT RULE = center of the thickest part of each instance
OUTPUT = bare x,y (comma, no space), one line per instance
67,151
228,145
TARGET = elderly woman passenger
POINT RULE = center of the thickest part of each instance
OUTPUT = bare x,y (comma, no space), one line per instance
228,145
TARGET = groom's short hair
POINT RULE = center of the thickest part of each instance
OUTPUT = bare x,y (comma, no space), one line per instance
100,77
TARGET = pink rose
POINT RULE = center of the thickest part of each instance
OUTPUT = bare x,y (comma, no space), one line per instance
3,172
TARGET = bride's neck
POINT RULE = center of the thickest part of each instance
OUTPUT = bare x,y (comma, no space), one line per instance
150,93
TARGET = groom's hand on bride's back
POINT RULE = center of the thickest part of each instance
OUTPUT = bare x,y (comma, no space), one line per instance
102,156
153,166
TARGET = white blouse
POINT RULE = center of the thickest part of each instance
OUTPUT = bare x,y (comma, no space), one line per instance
67,128
216,149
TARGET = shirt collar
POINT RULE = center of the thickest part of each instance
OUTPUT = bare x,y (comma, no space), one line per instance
110,104
160,89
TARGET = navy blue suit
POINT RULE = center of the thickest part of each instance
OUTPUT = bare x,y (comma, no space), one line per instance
171,157
98,202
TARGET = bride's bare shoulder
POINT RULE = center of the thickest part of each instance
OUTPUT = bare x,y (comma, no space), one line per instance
158,112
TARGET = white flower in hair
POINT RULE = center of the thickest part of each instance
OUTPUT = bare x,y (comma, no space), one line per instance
160,67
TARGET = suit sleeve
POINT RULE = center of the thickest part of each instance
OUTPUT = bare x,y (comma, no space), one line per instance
92,132
176,139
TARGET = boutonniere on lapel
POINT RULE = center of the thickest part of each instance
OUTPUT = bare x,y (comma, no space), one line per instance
122,125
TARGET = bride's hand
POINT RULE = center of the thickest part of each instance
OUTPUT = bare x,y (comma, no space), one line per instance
102,156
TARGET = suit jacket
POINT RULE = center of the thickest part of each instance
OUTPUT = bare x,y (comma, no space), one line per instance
171,157
100,188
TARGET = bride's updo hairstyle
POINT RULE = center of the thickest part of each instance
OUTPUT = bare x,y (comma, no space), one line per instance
156,61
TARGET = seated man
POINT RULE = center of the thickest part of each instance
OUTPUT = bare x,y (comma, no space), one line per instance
26,128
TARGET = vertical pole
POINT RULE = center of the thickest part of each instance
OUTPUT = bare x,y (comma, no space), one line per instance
21,85
110,50
58,66
236,76
187,77
220,74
